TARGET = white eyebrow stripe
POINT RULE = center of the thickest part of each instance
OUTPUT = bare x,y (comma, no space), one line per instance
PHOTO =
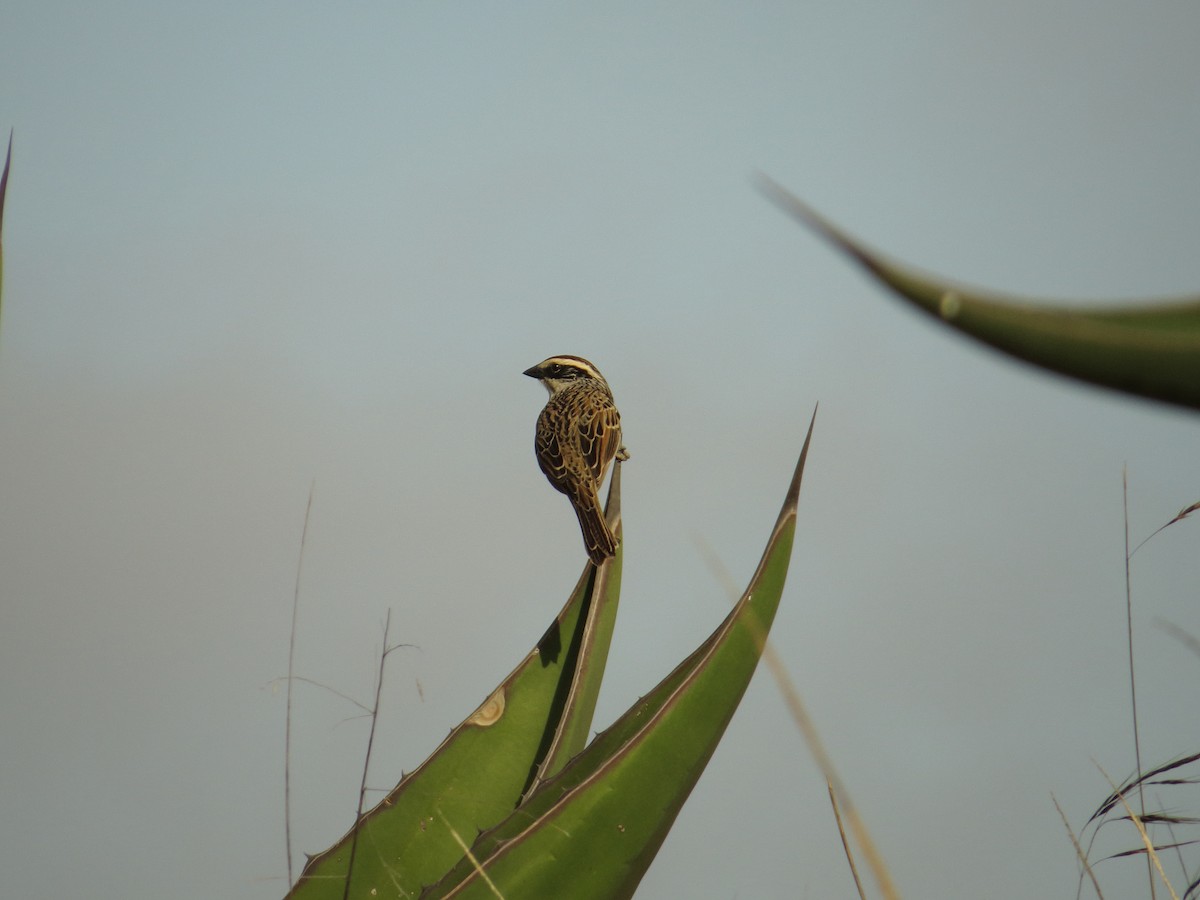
573,362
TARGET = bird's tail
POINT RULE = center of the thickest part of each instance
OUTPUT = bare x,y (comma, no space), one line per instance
597,538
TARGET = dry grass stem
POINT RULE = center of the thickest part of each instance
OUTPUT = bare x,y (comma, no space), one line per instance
1137,744
471,856
1151,853
287,726
1083,861
808,730
845,841
1179,517
362,787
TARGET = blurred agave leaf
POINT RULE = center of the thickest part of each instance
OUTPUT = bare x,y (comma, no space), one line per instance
1151,349
3,192
591,832
538,717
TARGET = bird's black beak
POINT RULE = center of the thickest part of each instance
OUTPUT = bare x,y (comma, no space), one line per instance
533,372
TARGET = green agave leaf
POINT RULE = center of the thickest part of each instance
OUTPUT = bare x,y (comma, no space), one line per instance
3,192
1149,350
537,718
586,668
591,832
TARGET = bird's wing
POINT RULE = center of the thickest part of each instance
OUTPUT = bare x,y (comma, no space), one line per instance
599,439
549,447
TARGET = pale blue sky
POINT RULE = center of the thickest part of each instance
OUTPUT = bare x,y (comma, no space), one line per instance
250,246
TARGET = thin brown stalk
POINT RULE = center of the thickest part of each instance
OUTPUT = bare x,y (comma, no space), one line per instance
1179,517
1137,746
287,727
366,709
362,787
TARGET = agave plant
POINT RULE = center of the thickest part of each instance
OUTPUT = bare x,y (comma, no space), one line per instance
517,803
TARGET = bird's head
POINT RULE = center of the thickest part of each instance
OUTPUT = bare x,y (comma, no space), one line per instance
560,372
